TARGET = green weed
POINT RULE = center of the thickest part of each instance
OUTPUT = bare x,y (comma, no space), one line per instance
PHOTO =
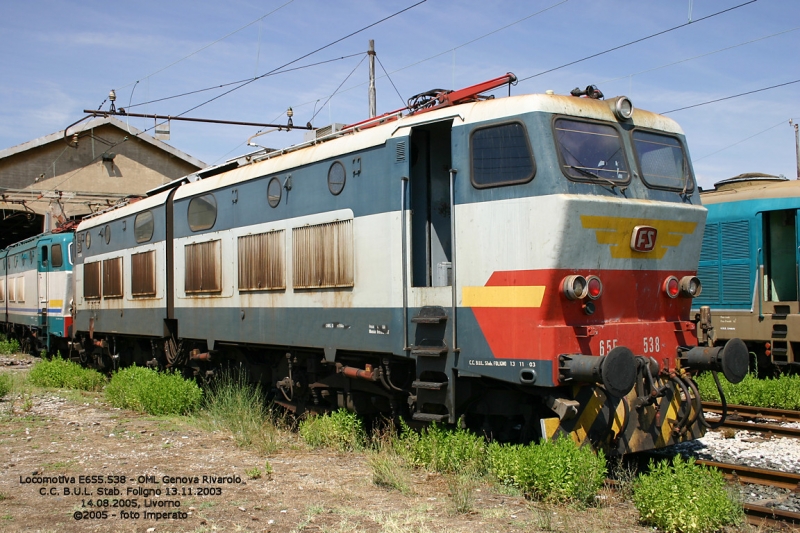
552,471
253,473
685,498
781,393
340,430
8,347
62,374
389,470
443,450
5,385
462,489
155,393
232,403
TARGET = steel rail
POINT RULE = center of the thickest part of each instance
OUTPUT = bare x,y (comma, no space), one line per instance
784,415
756,476
757,515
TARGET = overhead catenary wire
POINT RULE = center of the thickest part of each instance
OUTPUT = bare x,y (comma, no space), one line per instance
781,123
731,97
364,28
162,69
339,87
592,56
390,80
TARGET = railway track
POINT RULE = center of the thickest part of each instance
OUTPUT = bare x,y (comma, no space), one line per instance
743,413
759,514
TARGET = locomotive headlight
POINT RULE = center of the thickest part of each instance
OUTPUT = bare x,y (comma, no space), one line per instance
623,108
691,286
575,287
671,287
594,287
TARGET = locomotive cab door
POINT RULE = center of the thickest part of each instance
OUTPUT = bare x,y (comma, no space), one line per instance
780,281
430,266
43,286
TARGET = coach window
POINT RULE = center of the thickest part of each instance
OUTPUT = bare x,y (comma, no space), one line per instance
107,233
274,190
143,226
591,151
336,178
88,240
56,257
202,212
662,161
501,155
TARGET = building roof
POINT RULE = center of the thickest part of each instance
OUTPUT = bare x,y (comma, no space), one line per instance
95,123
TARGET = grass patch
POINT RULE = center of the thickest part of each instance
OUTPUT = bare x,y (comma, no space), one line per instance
462,490
684,497
389,469
781,393
155,393
340,430
552,471
8,347
443,450
62,374
234,404
6,384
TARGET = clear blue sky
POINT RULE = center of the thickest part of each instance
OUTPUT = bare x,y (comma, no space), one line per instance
61,57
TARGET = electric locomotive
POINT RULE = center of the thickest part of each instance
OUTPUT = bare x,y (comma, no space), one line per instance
749,266
522,266
36,292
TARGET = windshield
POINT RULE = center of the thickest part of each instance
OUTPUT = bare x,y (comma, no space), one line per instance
663,163
591,151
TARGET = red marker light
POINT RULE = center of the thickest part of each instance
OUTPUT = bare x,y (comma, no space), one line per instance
671,286
594,286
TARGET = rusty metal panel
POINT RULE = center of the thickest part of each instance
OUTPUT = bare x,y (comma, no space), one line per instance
2,291
91,280
112,278
261,261
143,274
203,267
323,255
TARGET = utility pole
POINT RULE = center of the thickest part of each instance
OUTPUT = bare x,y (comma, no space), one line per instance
373,104
796,147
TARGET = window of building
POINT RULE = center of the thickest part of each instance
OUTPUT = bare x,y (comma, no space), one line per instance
501,155
203,272
143,226
323,255
202,212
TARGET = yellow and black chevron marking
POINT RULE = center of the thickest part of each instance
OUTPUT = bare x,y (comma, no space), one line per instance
647,428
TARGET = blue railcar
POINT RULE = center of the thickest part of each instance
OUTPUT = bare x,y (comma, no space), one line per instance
37,291
749,267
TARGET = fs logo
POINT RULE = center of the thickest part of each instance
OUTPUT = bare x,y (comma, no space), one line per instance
643,238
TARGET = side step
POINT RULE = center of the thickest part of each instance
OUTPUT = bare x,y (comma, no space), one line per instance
429,385
430,314
426,348
428,417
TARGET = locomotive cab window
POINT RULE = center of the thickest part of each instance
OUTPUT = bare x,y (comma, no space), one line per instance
202,212
56,256
501,155
143,226
662,161
591,151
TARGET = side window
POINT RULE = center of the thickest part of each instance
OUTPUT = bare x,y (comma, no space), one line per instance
501,155
663,162
202,212
56,256
590,151
143,226
203,272
91,280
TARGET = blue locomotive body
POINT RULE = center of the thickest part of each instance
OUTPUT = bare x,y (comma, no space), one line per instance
749,267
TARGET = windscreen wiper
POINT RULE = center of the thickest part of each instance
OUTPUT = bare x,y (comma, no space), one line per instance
592,175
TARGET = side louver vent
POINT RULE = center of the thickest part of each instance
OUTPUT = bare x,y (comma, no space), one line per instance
400,154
